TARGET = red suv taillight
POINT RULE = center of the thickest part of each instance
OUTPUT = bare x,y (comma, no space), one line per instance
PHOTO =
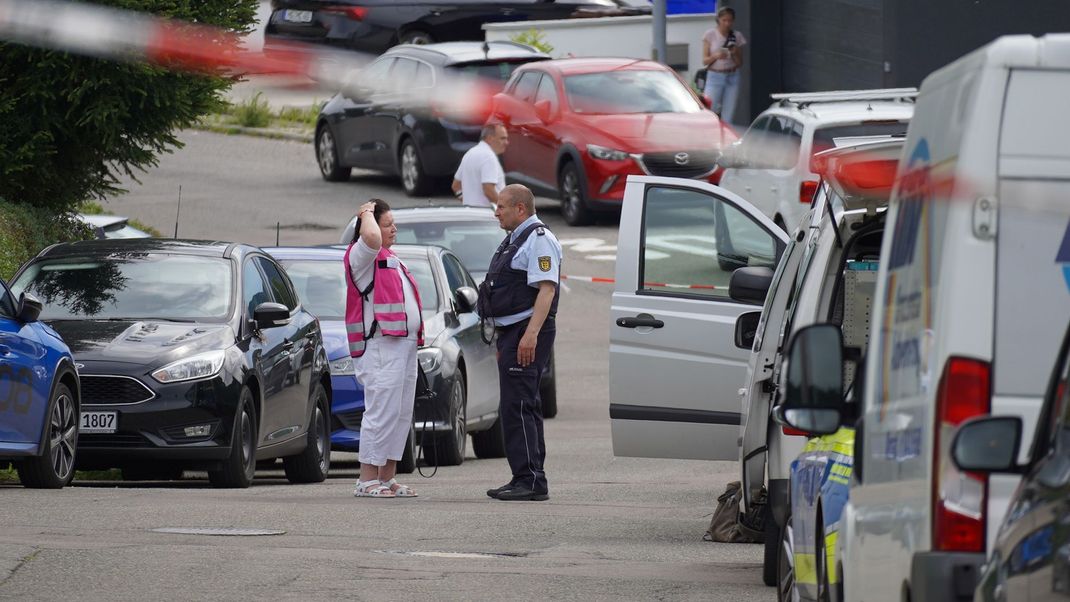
356,13
959,500
807,190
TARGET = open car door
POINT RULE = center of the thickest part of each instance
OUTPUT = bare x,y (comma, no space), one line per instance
674,369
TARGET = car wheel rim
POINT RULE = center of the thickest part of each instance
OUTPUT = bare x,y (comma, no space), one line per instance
572,194
63,437
321,439
409,167
459,434
326,152
786,571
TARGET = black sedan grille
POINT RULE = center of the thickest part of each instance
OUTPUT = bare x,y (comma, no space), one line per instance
92,440
350,420
683,164
113,390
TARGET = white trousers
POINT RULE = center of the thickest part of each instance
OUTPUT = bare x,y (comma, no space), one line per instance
387,371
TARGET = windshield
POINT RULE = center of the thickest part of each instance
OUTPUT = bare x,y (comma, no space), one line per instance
321,285
473,243
133,286
631,91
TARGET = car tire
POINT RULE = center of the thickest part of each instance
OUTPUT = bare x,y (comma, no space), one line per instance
450,447
785,574
55,468
407,463
821,561
572,188
239,467
140,472
327,156
414,180
415,36
314,463
548,390
491,442
771,549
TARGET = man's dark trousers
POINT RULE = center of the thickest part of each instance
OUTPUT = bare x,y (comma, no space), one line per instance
521,407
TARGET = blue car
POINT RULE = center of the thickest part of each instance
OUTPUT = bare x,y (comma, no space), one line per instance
39,396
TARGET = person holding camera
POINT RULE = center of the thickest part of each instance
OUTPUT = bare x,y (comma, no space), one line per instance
722,55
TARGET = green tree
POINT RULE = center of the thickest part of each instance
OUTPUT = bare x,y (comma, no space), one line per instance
70,126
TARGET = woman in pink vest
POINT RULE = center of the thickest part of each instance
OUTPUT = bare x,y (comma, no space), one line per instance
385,327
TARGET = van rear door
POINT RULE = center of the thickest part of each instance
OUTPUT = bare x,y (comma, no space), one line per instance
674,369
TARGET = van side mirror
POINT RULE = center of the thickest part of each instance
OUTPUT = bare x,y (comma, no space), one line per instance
29,309
466,298
988,444
750,284
544,111
271,315
813,399
747,328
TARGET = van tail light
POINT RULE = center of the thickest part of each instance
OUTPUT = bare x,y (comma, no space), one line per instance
959,499
793,432
357,13
807,190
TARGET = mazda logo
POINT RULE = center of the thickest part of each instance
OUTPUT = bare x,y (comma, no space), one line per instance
681,158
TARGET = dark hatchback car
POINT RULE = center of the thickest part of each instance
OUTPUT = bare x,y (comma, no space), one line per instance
191,355
403,132
375,25
1030,559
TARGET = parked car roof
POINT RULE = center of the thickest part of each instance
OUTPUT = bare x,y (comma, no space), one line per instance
450,53
574,66
452,214
144,245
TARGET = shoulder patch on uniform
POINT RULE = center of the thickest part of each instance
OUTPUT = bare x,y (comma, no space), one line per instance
544,263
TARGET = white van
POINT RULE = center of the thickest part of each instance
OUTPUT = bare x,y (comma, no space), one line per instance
972,287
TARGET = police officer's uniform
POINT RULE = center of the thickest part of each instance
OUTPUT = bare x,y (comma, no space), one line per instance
530,254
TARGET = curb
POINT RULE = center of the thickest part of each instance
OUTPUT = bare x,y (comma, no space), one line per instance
255,132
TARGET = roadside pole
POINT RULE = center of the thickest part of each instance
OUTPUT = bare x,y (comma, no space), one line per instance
660,9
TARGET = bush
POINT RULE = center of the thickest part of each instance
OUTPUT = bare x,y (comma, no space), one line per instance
252,113
534,38
25,230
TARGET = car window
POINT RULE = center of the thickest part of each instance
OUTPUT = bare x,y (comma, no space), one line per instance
320,285
281,290
472,242
629,91
825,137
692,242
131,285
420,269
454,272
7,302
254,289
423,78
752,141
527,84
783,140
547,91
377,71
404,71
492,73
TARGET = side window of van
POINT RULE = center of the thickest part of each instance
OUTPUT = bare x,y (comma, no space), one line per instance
693,241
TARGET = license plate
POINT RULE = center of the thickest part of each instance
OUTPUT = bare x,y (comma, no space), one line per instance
98,422
297,16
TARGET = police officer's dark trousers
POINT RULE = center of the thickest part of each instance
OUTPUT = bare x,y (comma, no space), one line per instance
521,407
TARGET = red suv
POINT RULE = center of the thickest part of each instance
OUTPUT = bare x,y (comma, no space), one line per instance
579,127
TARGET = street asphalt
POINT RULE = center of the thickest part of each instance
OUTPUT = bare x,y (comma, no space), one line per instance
613,529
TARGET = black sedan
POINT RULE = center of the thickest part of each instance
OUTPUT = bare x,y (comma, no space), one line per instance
461,369
370,127
191,355
375,25
1031,554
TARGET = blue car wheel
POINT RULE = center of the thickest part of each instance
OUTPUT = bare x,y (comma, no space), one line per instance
54,468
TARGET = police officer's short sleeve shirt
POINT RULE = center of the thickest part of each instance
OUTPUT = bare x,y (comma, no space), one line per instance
540,255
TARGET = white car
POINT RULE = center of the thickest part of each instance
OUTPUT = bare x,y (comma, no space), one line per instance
111,226
972,288
770,165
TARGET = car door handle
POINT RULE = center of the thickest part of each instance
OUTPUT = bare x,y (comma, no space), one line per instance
638,322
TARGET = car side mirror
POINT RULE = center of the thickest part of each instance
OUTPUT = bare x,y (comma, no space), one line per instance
544,111
271,315
750,284
988,444
747,328
813,399
466,298
29,309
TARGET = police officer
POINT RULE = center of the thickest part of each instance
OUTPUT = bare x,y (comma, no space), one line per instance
520,295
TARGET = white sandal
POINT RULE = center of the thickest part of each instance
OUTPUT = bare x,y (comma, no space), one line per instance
372,488
401,490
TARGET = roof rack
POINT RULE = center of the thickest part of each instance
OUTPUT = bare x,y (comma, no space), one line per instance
807,98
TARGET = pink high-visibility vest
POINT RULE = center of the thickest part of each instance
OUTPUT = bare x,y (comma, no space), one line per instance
388,303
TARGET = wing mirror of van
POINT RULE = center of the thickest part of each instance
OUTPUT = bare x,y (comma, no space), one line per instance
813,399
988,444
29,309
750,284
747,328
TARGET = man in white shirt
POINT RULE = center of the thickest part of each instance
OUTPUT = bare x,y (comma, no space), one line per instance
480,178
